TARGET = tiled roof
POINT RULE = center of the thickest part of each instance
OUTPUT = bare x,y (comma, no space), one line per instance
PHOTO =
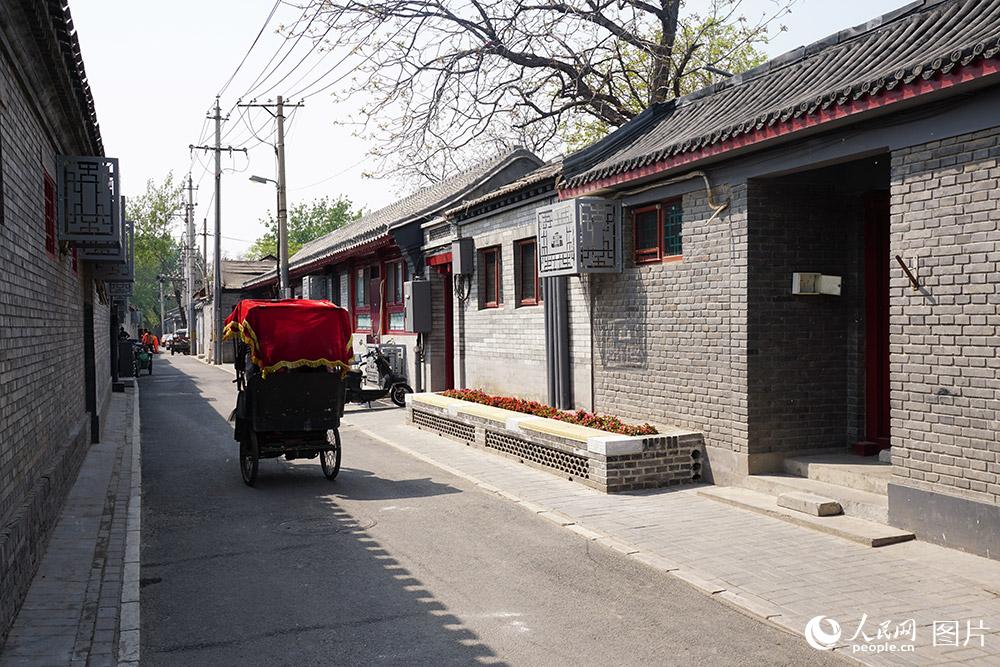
422,203
46,26
917,42
235,272
547,172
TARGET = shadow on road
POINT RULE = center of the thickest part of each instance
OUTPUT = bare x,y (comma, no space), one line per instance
278,574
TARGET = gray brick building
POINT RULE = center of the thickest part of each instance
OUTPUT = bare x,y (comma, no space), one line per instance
364,265
56,320
503,345
871,158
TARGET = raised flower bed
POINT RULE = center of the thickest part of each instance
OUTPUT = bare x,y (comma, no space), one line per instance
610,462
581,417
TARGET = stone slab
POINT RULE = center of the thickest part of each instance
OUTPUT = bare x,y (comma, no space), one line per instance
809,504
857,530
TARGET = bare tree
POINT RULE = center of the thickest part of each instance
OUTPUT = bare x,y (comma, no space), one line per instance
444,81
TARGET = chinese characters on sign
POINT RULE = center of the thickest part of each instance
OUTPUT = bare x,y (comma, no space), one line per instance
579,236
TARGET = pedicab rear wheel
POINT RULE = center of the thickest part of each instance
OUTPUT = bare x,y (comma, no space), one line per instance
249,459
330,459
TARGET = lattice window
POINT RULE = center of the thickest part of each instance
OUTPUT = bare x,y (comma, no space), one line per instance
571,464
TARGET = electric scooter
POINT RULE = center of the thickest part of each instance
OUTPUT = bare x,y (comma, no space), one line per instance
389,383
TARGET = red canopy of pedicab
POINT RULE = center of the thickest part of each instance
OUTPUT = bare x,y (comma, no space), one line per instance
291,333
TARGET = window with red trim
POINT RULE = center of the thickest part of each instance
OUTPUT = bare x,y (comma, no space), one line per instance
526,258
658,232
361,298
50,213
395,276
490,278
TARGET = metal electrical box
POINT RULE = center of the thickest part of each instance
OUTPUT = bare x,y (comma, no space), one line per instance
417,299
815,283
463,257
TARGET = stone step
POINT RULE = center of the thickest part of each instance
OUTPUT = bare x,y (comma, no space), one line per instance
854,472
809,503
851,528
861,504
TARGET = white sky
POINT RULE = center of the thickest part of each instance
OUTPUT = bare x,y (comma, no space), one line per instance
155,67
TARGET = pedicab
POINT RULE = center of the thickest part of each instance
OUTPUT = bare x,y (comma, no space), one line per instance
291,357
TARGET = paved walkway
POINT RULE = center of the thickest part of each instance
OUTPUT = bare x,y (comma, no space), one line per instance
71,613
769,568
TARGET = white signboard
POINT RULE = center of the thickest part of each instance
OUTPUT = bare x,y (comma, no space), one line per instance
581,235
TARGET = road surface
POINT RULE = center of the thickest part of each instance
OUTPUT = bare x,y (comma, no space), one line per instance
396,562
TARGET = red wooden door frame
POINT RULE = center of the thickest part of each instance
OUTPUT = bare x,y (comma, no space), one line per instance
449,326
877,415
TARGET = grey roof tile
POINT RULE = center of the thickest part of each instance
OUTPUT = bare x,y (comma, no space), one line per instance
421,203
918,41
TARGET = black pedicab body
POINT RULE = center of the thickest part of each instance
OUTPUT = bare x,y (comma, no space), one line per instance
295,414
292,412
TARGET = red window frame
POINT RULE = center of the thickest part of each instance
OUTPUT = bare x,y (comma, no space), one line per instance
651,255
519,247
394,292
49,190
356,308
497,297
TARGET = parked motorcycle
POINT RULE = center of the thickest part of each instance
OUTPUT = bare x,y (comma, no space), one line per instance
390,384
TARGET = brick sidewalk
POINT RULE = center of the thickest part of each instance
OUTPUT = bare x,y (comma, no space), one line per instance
779,572
71,613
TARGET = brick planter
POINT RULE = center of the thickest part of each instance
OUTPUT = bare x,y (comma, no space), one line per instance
605,461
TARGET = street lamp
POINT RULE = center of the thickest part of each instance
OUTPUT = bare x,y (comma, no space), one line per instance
283,283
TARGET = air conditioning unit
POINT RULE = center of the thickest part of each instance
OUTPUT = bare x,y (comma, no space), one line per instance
582,235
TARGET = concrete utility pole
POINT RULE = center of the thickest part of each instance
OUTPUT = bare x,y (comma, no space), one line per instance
217,260
159,279
189,266
285,287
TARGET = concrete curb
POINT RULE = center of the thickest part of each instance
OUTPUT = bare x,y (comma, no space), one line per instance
128,620
732,596
222,367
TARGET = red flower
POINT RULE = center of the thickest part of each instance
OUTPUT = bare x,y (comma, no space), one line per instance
582,417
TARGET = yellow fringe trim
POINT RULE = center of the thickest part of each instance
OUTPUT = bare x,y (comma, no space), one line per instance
247,335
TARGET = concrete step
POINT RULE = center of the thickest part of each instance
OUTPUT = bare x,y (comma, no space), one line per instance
854,472
861,504
809,503
851,528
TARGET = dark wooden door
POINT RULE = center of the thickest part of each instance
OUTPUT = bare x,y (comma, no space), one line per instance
877,416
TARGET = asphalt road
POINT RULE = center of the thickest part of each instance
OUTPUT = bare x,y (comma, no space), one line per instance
396,562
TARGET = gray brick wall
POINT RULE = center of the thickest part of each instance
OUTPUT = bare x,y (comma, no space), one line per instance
44,428
804,352
502,350
670,338
944,338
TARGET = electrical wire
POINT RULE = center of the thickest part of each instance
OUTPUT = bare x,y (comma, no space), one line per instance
247,54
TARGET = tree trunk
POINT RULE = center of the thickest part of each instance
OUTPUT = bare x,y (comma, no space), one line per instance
660,88
181,309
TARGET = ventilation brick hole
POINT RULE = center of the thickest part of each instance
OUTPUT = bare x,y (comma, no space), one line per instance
445,426
573,465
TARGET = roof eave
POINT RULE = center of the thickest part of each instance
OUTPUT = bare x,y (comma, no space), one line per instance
979,74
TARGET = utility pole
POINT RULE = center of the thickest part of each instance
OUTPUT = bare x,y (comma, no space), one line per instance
217,260
204,243
159,279
189,265
285,291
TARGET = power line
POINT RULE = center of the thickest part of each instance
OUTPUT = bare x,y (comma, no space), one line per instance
247,54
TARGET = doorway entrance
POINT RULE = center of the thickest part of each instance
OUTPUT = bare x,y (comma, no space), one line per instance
877,410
